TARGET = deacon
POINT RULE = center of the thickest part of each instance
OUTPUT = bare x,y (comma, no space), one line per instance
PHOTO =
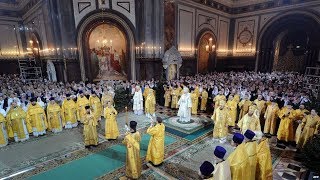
307,128
239,160
111,126
54,115
82,102
185,106
16,121
36,118
150,104
175,95
264,161
249,121
222,167
69,113
90,128
155,152
133,161
206,170
251,148
96,105
221,120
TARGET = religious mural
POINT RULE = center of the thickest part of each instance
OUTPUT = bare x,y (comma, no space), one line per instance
107,50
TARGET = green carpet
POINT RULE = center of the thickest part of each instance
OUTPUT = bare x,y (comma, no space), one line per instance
96,165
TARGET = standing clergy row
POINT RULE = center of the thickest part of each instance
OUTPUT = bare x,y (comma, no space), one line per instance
155,152
250,160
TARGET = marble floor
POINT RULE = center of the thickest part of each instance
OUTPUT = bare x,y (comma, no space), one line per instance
183,155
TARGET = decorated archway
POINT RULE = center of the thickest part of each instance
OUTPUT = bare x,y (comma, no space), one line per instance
207,45
106,48
289,42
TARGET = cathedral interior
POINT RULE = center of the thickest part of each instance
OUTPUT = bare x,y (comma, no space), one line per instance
53,49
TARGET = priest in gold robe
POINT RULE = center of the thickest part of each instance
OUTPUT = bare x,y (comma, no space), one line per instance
251,149
90,128
54,116
221,120
111,126
96,105
133,161
204,100
244,106
195,102
205,171
232,106
69,113
82,102
239,159
155,152
261,105
3,131
222,167
167,96
16,123
150,104
175,93
106,97
285,131
218,98
36,119
264,161
270,117
249,121
306,128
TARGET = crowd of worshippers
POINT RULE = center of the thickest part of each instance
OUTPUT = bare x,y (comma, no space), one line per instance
272,103
33,108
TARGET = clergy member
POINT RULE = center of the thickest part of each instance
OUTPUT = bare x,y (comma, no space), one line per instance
244,106
264,161
251,149
37,119
155,153
54,116
16,121
96,105
233,110
3,132
250,121
221,120
238,159
69,113
307,128
218,99
138,101
285,131
222,167
175,95
185,105
111,126
150,104
195,102
133,161
204,100
82,102
167,96
206,170
270,117
90,128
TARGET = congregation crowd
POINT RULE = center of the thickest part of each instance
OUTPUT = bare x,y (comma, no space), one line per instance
260,104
